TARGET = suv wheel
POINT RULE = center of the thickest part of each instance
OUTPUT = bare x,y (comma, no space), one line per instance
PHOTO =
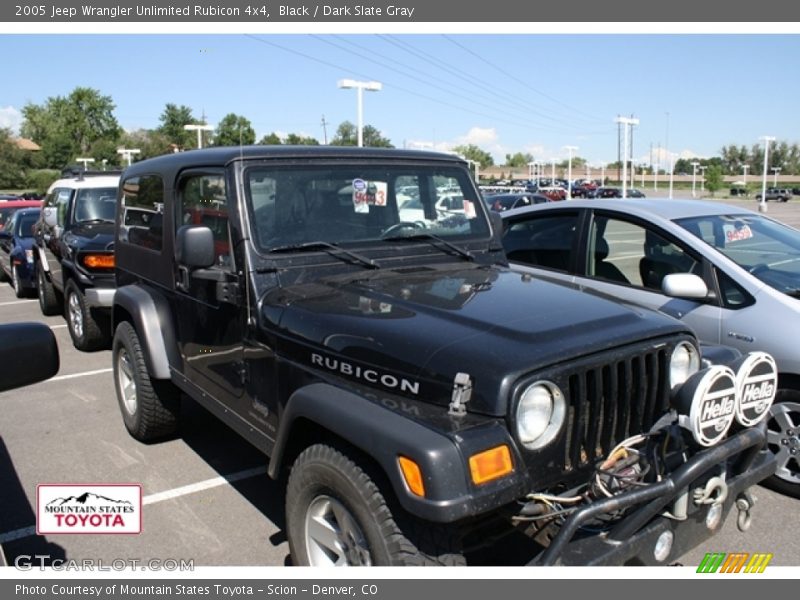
337,516
83,328
150,408
48,298
783,439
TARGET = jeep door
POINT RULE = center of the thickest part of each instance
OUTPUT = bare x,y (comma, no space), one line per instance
210,323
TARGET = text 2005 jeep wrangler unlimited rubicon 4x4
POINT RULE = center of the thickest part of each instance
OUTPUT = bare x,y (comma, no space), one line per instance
423,397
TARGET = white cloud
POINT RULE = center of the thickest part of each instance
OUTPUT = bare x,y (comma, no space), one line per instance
10,118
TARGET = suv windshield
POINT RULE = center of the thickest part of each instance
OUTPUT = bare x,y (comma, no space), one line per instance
96,204
357,204
766,248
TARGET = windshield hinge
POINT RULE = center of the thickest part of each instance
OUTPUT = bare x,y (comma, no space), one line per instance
462,392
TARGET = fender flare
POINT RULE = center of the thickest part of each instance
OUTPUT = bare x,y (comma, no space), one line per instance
384,434
152,319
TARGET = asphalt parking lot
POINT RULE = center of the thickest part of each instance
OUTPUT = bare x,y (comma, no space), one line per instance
207,497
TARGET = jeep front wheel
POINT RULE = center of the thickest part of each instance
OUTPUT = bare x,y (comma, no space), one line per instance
149,407
48,298
83,328
336,515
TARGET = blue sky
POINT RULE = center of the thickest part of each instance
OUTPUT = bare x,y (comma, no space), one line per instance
505,93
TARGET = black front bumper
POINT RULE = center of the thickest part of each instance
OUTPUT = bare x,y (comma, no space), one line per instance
633,539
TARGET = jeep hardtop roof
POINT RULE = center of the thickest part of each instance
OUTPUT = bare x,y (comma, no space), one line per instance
224,155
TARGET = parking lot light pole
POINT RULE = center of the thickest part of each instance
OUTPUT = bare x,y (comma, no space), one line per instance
85,162
744,168
627,124
702,179
694,177
762,206
570,150
128,153
199,129
775,171
360,86
671,175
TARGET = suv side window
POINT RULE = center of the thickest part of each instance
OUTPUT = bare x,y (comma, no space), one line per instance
142,206
629,253
543,241
203,201
61,198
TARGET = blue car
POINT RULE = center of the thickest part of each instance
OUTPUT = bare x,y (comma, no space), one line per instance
16,251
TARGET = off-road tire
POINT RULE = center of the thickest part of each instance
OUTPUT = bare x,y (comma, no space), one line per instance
391,536
783,435
48,297
86,333
153,411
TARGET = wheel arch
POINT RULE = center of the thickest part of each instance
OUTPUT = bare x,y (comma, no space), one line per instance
148,312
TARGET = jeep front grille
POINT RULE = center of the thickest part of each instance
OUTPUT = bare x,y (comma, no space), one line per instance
609,403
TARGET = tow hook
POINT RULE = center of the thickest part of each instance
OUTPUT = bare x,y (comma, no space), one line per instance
744,502
715,492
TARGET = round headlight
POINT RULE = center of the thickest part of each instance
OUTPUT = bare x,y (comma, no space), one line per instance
540,414
684,362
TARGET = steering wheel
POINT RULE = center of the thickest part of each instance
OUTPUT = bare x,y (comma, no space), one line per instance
389,231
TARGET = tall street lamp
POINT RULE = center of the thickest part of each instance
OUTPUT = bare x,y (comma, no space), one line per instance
744,168
694,177
360,86
702,179
775,171
128,153
85,162
570,150
627,124
762,206
199,129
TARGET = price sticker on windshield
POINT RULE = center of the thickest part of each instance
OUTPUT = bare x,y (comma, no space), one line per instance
737,233
368,193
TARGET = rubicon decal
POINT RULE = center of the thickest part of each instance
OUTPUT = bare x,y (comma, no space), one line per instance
88,508
372,376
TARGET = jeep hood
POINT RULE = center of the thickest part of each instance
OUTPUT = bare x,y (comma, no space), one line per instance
98,235
410,331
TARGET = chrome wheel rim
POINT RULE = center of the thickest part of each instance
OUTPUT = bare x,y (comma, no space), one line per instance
126,384
333,536
75,314
783,438
15,279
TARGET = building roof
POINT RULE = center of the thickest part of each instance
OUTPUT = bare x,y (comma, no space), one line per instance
26,144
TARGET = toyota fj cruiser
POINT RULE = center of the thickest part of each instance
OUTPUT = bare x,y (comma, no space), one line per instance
422,397
74,255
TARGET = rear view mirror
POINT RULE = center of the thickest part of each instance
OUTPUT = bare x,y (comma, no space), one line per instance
28,353
194,247
684,285
49,216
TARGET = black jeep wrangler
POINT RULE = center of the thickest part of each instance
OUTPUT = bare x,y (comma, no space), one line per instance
74,254
422,397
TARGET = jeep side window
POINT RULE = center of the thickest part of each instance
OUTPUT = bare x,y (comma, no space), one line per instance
142,206
203,202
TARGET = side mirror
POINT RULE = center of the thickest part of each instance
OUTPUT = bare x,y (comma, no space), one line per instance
49,216
194,247
684,285
28,353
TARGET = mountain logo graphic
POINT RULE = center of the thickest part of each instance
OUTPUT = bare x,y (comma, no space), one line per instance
88,508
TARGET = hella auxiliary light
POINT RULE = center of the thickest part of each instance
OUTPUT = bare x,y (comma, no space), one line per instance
712,399
756,386
706,404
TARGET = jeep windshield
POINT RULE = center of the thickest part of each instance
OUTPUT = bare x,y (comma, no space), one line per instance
363,204
94,205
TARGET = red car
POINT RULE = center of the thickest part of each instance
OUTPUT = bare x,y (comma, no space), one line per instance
9,207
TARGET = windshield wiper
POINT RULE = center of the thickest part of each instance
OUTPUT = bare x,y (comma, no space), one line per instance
433,240
90,221
333,249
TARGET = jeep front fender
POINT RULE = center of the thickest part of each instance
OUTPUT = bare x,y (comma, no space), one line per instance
149,313
384,434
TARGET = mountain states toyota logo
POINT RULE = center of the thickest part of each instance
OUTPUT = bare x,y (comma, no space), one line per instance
77,508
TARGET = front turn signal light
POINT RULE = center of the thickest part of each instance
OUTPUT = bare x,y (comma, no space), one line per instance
413,476
99,261
490,464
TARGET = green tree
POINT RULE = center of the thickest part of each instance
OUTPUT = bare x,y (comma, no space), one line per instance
234,130
347,135
173,120
12,162
713,179
473,153
294,139
518,160
68,127
273,139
